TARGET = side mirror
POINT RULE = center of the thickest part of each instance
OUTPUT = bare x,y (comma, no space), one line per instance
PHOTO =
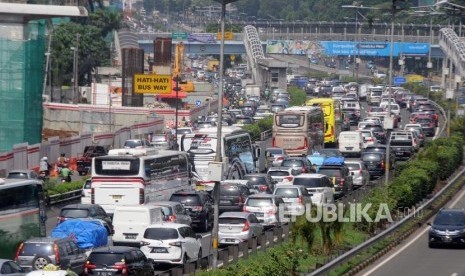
198,237
429,223
352,173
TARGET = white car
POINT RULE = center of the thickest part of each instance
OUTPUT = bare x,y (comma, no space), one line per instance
319,186
171,243
282,175
86,192
369,137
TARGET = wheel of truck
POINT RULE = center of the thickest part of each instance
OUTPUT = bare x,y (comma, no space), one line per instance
235,172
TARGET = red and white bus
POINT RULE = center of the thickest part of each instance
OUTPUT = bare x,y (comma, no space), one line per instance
138,176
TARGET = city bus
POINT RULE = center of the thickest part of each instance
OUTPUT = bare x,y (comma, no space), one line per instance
22,213
298,130
138,176
236,146
332,116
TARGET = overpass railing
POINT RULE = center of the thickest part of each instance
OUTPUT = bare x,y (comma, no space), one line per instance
453,47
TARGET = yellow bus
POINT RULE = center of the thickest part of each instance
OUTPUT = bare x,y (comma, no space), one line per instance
332,116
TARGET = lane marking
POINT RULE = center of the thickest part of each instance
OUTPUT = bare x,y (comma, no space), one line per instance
410,242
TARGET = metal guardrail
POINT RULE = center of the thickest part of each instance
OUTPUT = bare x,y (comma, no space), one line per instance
68,196
356,250
265,135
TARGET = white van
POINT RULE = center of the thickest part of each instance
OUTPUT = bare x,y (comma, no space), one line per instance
129,223
350,143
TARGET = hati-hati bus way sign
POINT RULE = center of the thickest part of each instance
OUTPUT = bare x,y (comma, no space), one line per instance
153,84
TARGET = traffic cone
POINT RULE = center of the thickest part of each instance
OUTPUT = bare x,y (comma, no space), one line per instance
54,171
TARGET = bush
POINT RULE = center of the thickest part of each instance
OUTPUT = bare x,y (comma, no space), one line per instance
298,96
61,188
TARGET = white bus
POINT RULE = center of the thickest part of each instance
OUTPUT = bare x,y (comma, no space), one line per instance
236,147
138,176
22,213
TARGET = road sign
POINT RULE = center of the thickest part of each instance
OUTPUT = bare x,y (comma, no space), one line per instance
399,80
227,36
198,103
178,36
153,84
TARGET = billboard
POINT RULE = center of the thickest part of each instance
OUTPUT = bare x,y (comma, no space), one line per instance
154,84
345,48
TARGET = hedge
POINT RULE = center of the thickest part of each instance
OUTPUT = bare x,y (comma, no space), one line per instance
60,188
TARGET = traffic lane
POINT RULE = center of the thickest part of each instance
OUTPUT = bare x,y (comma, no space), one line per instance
414,257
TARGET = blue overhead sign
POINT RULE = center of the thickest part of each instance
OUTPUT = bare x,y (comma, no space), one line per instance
378,49
399,80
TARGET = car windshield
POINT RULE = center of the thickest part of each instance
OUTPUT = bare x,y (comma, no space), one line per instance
330,172
287,192
292,163
186,199
450,218
371,157
259,202
183,131
309,182
254,180
278,173
161,234
353,166
159,138
229,190
274,151
133,144
74,213
17,175
226,220
330,152
104,258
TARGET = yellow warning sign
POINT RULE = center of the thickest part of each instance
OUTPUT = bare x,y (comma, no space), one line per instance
227,36
154,84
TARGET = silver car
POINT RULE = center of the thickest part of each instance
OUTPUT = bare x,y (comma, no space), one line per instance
295,197
360,174
174,212
10,268
236,227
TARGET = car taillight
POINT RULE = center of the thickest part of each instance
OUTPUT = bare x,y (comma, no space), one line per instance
178,244
274,142
246,226
244,209
60,220
197,208
280,158
57,254
360,171
141,196
87,267
289,178
172,218
382,164
121,266
144,243
300,200
240,200
272,211
262,188
304,170
20,248
305,144
341,182
92,195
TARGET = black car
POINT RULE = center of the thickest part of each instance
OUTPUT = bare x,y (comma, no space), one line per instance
341,177
118,260
374,162
448,228
352,117
232,197
86,211
262,182
300,164
198,205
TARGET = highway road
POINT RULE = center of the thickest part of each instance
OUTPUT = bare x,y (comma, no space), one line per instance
414,258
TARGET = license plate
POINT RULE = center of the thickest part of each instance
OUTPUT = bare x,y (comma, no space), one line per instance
117,196
104,273
225,202
200,188
230,240
447,239
159,250
259,214
280,180
399,153
349,148
130,236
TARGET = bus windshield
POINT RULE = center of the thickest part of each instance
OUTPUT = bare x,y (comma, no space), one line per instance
117,167
290,120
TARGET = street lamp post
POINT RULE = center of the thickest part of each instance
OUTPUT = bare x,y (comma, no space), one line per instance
388,148
218,158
